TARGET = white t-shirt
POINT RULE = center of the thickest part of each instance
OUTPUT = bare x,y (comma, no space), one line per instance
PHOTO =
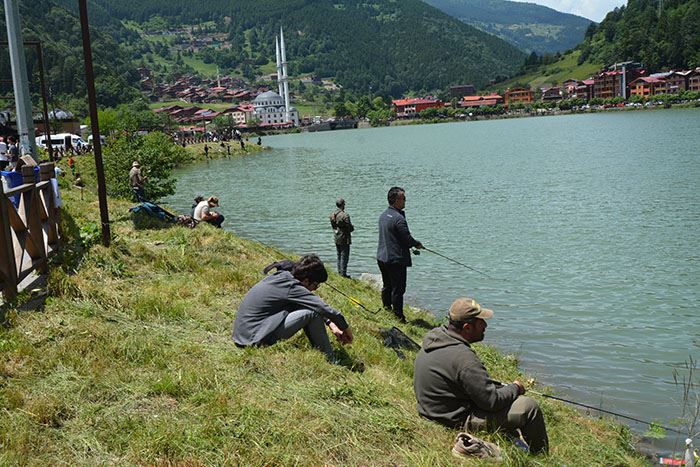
201,209
4,156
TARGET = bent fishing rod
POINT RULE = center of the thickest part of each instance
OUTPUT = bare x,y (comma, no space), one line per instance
417,252
610,412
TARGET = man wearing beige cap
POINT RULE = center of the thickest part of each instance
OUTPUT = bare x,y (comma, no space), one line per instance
453,387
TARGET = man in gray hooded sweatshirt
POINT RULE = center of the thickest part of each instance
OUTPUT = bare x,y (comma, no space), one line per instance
453,387
283,303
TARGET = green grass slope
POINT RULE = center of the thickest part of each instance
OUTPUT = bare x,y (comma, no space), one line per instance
553,74
130,362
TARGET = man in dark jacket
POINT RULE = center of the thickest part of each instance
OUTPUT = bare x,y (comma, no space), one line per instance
453,387
342,229
393,251
283,303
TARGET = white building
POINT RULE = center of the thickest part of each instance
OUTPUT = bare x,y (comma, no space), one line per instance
270,110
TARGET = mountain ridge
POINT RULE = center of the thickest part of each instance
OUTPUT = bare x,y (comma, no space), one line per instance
530,27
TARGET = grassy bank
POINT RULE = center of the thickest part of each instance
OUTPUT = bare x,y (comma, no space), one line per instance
130,362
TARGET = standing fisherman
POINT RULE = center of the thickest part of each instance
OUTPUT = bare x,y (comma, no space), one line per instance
137,181
393,251
342,228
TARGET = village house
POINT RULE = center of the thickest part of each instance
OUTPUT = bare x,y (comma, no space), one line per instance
569,87
552,94
518,96
694,80
241,114
646,86
481,101
677,81
411,107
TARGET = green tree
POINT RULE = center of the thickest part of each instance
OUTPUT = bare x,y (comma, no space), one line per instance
157,154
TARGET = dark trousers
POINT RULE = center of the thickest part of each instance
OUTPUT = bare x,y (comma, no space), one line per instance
343,257
217,221
394,286
139,193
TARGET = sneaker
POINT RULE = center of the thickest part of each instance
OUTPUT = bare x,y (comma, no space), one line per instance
468,446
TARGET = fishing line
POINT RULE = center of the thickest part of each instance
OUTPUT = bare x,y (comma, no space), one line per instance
607,411
454,261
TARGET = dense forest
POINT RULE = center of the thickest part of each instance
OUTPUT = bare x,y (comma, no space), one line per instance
661,35
60,35
384,46
531,27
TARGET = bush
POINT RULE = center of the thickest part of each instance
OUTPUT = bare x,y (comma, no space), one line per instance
157,154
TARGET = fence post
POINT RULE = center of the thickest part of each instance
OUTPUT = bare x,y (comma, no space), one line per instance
8,266
32,218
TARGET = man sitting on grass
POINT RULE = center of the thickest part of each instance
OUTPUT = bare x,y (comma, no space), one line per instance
453,387
203,212
282,304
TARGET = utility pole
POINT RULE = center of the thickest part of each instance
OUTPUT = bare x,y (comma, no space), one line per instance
96,143
20,82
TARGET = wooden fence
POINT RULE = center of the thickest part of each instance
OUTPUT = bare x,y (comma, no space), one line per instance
28,228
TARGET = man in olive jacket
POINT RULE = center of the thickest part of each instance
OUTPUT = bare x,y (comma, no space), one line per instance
393,251
342,230
453,388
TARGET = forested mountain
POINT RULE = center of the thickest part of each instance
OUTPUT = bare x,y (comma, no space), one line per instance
660,38
387,47
530,27
59,32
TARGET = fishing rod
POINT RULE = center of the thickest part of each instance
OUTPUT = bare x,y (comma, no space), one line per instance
561,399
352,299
452,260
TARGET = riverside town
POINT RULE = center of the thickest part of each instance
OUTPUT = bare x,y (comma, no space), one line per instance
196,269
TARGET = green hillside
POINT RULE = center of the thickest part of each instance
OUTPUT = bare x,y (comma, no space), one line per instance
660,38
530,27
59,32
384,46
567,67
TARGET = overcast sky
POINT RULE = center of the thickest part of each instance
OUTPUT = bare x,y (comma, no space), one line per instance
591,9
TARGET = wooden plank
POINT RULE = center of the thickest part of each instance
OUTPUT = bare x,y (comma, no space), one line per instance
19,189
8,267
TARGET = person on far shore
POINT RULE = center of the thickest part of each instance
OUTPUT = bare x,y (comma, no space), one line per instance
137,181
393,251
206,151
342,229
204,213
453,388
283,303
259,141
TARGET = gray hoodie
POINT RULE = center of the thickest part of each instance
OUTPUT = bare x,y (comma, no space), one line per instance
450,381
269,302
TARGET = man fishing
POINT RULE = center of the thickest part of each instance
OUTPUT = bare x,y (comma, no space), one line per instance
393,251
453,388
283,303
342,235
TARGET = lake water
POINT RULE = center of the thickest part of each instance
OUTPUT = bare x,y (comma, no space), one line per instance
588,224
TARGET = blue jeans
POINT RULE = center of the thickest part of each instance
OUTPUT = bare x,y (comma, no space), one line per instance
343,257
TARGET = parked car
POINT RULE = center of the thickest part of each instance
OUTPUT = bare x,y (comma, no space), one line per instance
60,140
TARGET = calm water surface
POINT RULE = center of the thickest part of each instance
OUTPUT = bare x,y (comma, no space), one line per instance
588,224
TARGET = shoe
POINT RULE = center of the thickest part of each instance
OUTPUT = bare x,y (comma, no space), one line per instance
346,276
468,446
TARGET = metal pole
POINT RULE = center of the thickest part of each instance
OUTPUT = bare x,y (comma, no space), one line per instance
96,143
23,100
47,130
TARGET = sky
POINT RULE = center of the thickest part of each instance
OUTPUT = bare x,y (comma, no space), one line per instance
591,9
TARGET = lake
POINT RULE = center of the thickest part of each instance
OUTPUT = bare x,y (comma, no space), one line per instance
587,224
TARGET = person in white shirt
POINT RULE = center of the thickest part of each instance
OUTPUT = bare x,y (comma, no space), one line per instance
204,213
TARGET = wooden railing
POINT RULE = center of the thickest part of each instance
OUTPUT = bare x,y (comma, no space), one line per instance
29,231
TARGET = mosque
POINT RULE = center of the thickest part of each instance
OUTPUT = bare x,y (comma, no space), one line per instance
272,108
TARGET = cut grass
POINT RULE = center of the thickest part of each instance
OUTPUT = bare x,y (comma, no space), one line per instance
131,363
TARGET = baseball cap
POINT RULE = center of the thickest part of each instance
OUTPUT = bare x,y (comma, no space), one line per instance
467,308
